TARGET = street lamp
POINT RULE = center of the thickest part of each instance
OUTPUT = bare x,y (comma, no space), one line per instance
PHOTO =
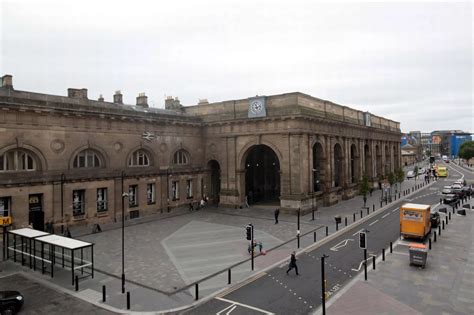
124,195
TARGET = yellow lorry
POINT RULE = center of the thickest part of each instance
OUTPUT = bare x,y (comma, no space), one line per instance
415,220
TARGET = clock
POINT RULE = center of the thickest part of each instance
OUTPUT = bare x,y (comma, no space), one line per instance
256,106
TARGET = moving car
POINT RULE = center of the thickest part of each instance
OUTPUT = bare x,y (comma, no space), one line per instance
435,219
456,186
442,171
410,174
447,190
450,198
458,192
10,302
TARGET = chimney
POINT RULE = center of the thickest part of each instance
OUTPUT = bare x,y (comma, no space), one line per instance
173,104
118,97
203,101
77,93
101,98
142,100
7,81
169,102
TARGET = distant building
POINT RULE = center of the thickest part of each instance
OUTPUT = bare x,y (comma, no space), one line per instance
448,142
415,141
409,154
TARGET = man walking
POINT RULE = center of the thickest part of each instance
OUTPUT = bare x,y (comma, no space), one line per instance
277,213
292,264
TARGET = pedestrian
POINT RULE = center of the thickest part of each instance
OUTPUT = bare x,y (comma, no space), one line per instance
202,203
292,264
260,246
191,206
247,201
277,213
371,190
30,225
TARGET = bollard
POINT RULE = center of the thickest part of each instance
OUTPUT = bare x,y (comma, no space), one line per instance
104,295
391,247
353,217
373,262
327,230
345,221
439,230
77,283
440,201
361,215
380,203
128,300
368,211
314,236
449,215
373,208
446,221
229,279
383,254
434,236
337,226
196,291
398,195
429,243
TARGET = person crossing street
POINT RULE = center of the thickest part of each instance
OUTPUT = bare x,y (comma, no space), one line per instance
292,264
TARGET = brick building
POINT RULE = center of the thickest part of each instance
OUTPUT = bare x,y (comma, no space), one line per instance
72,160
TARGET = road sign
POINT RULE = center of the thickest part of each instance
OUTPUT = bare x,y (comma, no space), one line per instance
5,221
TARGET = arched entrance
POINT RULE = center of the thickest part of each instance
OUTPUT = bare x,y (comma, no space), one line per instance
262,174
318,167
337,165
214,181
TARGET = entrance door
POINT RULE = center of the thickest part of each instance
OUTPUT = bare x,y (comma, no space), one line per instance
36,214
215,181
262,175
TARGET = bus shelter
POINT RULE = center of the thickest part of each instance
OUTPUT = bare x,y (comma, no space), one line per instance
51,250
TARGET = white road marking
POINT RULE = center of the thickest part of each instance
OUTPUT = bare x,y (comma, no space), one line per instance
373,222
386,215
340,244
244,305
394,210
233,306
356,233
361,263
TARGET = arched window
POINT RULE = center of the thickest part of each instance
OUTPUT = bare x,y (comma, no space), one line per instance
17,160
181,158
87,159
139,158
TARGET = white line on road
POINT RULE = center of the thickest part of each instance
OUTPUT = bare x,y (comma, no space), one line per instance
340,244
361,230
244,305
394,210
231,307
373,222
386,215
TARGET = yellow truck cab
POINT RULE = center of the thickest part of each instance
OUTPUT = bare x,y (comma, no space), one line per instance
415,220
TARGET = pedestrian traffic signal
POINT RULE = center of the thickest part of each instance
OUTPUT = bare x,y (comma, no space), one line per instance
362,240
249,232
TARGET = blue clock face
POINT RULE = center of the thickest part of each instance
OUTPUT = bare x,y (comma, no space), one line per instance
256,107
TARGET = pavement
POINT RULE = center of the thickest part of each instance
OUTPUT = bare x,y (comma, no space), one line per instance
168,251
444,286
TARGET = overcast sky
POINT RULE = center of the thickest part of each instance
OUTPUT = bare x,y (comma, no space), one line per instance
407,61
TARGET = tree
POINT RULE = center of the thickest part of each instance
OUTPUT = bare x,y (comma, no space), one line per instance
400,177
364,188
466,151
415,170
391,180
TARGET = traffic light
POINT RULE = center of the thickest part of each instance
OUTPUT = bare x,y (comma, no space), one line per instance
362,240
249,232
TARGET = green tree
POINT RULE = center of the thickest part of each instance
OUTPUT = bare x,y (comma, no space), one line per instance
415,170
364,188
400,177
466,151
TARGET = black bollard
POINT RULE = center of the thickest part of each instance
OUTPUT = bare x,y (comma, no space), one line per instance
373,262
128,300
380,203
442,223
449,215
314,236
383,254
104,295
353,217
373,208
391,247
196,291
434,239
327,231
429,243
77,283
439,230
361,215
345,221
337,226
368,211
229,276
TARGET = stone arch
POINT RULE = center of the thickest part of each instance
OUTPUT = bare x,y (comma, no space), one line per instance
338,158
262,173
213,180
102,154
354,164
185,152
147,149
318,166
35,153
245,150
388,160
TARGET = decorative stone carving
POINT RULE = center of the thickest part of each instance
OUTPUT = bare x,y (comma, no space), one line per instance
118,146
163,147
57,145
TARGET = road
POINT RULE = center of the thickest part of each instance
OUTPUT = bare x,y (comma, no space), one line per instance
275,292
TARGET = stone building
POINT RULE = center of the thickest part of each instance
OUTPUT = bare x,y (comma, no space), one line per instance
72,160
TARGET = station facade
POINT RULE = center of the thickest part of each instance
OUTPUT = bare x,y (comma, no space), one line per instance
71,160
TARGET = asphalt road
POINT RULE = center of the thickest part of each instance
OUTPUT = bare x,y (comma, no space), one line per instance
276,292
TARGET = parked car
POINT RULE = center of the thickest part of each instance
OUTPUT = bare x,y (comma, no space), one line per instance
435,219
421,171
10,302
410,174
456,186
447,161
450,198
460,182
446,191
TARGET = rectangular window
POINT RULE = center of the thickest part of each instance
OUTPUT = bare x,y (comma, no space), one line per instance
133,196
175,190
189,188
101,199
150,193
78,202
5,203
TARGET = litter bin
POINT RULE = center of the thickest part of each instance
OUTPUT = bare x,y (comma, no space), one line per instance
418,254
